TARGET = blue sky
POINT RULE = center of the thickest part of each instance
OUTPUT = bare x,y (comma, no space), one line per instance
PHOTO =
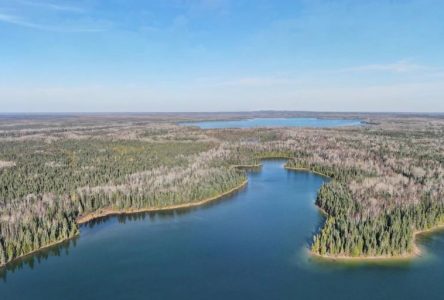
221,55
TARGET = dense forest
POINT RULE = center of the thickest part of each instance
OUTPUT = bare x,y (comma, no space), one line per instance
47,185
387,177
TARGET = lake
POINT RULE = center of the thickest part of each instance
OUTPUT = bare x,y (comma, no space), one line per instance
251,245
275,122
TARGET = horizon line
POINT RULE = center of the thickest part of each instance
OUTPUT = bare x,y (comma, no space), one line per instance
214,112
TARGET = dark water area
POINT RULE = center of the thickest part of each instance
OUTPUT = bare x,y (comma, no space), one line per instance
274,122
251,245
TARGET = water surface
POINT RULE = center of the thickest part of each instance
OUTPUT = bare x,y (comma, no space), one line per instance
275,122
248,246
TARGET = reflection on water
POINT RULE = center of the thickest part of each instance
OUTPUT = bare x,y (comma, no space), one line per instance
164,215
38,257
253,245
64,247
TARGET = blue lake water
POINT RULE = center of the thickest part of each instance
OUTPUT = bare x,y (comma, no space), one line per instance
251,245
274,122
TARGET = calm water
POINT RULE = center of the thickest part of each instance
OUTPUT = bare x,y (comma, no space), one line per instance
249,246
275,122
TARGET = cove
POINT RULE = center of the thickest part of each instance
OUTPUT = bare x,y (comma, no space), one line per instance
274,122
251,245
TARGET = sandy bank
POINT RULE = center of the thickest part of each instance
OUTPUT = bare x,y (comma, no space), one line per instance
110,211
416,253
306,170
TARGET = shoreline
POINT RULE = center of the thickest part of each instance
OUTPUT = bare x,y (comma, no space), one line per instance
307,170
252,166
345,258
430,230
416,253
110,212
372,258
334,258
39,249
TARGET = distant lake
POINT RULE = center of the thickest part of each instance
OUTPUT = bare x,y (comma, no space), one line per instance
274,122
252,245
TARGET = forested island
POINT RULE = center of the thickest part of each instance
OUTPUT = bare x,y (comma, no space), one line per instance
387,176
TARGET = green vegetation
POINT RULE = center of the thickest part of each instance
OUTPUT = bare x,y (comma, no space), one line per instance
51,184
387,178
347,233
376,203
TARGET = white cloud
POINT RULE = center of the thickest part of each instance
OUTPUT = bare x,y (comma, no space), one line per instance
402,66
50,16
52,6
94,26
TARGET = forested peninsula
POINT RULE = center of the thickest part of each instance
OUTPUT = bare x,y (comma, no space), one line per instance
387,176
